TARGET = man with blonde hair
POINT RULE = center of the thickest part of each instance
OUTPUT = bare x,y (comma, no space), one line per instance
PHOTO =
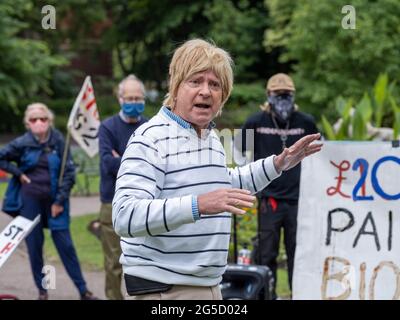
174,194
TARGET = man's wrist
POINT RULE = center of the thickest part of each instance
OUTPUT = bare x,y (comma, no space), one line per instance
195,208
276,164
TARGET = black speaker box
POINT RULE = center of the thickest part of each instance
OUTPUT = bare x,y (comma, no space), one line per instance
247,282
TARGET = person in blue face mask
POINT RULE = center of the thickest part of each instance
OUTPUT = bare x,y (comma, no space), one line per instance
132,107
278,126
114,134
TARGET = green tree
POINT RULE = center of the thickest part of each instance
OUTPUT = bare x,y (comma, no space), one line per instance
238,26
25,64
328,60
79,30
145,33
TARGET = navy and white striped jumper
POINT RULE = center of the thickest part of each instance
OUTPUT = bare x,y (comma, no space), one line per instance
165,166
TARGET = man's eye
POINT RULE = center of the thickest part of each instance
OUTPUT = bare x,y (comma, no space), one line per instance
215,85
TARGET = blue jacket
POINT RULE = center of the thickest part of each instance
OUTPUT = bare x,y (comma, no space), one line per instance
25,152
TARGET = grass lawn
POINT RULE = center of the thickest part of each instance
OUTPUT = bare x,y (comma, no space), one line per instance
86,185
3,187
282,288
88,247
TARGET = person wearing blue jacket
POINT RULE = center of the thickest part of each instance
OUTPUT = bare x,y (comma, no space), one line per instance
34,159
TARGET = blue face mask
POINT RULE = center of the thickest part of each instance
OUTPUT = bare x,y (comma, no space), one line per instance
132,110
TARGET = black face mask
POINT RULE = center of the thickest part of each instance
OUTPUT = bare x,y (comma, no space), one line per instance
282,106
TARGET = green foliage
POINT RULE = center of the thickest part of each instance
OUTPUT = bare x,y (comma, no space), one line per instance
76,22
280,11
343,107
331,61
238,26
396,112
328,129
247,94
359,126
31,73
379,104
161,25
144,33
380,94
25,64
244,101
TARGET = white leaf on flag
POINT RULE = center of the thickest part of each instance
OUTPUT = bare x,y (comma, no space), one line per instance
84,122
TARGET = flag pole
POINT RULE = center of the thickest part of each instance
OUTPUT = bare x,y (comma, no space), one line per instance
64,159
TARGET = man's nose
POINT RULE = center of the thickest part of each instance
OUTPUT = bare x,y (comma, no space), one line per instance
205,89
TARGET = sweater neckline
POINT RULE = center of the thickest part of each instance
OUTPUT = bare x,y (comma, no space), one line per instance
166,111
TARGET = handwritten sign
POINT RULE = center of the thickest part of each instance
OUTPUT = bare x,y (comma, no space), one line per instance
13,234
84,122
348,229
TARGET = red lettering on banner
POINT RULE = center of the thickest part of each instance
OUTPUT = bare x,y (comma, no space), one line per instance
90,104
343,166
363,186
7,247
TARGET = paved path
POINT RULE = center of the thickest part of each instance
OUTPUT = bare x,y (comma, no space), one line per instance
16,277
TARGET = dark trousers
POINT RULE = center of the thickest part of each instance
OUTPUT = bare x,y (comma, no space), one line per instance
62,240
273,216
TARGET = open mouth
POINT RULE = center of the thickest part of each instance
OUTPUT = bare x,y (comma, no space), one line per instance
202,105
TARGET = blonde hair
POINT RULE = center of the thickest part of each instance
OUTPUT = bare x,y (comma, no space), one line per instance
41,106
195,56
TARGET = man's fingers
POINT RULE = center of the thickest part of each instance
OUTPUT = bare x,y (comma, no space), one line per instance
239,203
237,190
240,198
235,210
303,142
314,147
244,197
312,151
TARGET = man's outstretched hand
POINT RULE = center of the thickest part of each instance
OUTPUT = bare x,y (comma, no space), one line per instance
291,156
234,200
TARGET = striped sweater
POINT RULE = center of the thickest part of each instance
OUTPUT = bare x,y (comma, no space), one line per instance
165,166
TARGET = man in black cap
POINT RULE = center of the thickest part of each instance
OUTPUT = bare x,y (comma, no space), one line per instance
278,126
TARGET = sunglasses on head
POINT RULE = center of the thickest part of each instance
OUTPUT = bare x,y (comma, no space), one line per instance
42,119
